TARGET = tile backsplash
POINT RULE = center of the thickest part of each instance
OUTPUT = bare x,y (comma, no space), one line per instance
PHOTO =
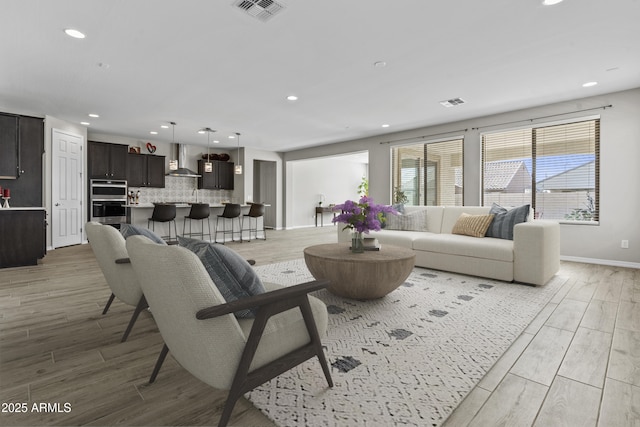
181,189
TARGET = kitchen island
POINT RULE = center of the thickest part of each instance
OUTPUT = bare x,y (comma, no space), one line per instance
139,214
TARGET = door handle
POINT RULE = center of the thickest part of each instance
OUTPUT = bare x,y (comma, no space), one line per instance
57,204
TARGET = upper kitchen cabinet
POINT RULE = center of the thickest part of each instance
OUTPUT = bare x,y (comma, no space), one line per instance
21,150
145,170
225,175
107,161
221,177
9,146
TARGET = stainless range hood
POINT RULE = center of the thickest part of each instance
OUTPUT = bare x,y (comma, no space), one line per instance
179,151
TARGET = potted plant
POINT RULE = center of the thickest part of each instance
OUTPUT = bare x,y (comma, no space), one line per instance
361,217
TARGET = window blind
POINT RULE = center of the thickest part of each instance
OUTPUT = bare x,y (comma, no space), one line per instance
553,168
429,173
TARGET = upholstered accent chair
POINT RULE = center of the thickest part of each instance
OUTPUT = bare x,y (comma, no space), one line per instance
108,246
204,336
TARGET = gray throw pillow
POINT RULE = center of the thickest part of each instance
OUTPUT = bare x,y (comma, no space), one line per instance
504,220
133,230
399,207
413,221
232,274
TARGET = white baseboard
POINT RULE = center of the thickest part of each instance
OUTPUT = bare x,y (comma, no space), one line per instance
299,226
613,263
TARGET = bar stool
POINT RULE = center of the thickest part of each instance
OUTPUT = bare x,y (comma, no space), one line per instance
164,212
256,211
198,212
231,211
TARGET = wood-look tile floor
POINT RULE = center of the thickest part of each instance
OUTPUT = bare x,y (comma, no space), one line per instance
577,364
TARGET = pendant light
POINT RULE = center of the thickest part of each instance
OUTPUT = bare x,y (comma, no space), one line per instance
173,163
238,167
208,166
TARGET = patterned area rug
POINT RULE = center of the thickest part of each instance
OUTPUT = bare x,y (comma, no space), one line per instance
406,359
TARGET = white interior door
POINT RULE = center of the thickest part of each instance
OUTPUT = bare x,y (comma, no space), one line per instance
66,189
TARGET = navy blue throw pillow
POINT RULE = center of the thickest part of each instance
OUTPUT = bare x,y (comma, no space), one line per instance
504,220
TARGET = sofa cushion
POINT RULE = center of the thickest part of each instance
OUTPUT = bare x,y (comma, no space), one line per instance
455,244
397,237
128,230
504,220
232,274
414,221
472,225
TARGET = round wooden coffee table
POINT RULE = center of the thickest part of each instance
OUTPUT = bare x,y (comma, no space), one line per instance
369,275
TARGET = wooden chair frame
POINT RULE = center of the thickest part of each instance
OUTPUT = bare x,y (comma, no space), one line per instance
142,305
267,304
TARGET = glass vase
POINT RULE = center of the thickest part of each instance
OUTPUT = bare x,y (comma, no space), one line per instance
357,242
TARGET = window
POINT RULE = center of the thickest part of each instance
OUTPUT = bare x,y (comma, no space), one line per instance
553,168
428,173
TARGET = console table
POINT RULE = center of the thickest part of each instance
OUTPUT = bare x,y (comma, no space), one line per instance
321,210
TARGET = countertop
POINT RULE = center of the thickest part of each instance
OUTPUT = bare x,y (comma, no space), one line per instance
22,209
179,205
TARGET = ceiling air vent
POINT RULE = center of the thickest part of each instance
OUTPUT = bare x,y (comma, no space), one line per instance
259,9
452,102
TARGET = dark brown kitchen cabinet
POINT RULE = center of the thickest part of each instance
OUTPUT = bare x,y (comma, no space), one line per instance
225,175
9,146
144,170
25,164
221,177
23,234
107,160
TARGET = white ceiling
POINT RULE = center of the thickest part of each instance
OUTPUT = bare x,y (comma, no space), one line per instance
202,63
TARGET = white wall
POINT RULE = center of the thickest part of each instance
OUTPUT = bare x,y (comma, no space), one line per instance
619,171
334,177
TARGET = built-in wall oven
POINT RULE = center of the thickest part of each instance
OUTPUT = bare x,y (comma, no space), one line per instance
108,200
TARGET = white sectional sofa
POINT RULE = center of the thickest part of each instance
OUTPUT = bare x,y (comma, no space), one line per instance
532,257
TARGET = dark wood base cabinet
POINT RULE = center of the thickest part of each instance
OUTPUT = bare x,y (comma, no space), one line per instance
23,237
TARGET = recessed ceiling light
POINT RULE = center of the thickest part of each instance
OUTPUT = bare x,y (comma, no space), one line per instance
215,141
93,115
85,123
292,98
74,33
550,2
385,125
379,64
589,84
164,126
232,137
201,131
153,132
